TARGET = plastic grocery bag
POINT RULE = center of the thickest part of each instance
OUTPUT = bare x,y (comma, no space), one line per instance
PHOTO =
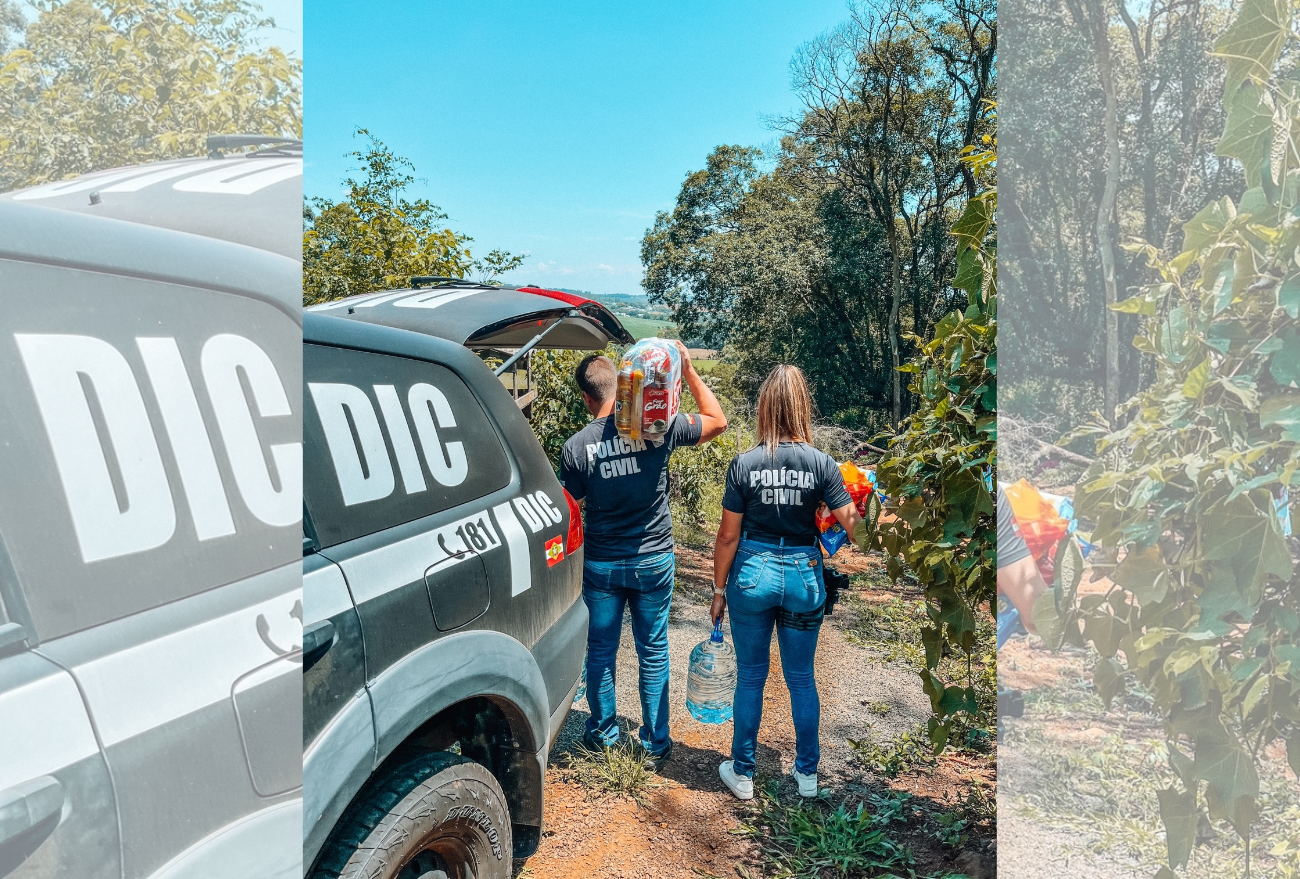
649,390
1041,525
860,485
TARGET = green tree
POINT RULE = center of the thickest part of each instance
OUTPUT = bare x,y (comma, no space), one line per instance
944,530
837,250
95,84
1057,163
879,97
12,24
1186,497
377,239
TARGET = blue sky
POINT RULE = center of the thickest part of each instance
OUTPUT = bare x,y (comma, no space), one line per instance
288,25
552,129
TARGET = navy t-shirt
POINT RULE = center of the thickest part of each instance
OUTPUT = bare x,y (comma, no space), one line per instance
625,483
778,492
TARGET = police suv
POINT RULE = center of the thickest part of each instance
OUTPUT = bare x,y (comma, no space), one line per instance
444,630
150,497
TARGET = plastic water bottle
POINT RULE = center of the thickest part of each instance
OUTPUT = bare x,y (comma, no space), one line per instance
582,683
711,682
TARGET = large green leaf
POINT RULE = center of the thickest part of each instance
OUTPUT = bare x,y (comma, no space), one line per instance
1223,603
1252,44
1288,296
1108,678
1248,130
1226,766
970,273
973,225
1105,632
1245,534
1208,224
1069,570
1286,360
1179,813
1284,411
1135,305
1197,379
1143,573
1048,620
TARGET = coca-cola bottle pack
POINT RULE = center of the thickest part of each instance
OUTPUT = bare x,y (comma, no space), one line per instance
649,390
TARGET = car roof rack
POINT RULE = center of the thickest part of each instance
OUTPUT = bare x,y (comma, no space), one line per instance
418,281
218,142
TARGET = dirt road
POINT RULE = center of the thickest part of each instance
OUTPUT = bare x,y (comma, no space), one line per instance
685,827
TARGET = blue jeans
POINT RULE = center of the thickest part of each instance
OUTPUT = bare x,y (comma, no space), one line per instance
781,586
645,584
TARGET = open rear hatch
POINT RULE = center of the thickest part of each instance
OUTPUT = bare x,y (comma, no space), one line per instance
507,321
481,316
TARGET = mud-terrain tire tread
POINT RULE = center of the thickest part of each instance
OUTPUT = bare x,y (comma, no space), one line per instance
385,802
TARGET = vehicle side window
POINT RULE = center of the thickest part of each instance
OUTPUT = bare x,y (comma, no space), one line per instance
388,440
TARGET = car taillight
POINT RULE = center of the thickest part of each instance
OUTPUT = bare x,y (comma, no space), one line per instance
575,524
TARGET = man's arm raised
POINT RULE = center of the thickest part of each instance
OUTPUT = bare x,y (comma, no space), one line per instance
712,420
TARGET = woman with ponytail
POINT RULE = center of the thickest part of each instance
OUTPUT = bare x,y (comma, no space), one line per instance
768,558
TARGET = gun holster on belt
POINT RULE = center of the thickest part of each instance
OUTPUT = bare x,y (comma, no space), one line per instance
835,581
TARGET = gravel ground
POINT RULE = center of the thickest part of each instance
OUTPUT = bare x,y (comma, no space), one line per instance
684,829
1027,850
847,679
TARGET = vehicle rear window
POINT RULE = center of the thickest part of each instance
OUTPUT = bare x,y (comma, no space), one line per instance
388,440
150,439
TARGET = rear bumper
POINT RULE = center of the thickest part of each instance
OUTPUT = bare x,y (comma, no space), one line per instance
560,654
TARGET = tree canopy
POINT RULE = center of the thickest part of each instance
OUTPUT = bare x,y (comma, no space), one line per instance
377,238
1062,172
92,84
830,251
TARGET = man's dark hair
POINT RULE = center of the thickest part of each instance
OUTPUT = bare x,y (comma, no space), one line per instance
597,378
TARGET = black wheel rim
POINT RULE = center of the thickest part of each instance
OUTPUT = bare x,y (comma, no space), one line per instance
445,858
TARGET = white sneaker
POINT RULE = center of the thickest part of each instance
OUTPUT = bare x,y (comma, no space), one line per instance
807,783
741,786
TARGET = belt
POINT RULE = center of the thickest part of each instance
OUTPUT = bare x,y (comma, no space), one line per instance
774,540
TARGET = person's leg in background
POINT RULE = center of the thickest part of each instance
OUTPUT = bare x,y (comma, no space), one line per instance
752,599
797,627
650,594
604,596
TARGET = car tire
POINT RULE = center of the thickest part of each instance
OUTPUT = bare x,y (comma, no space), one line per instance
431,816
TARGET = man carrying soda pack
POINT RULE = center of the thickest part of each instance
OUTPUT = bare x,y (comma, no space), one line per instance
628,559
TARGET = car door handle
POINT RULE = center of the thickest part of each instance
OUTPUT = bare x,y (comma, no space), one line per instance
29,805
317,637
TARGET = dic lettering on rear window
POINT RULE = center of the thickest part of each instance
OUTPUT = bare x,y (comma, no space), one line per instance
152,442
389,440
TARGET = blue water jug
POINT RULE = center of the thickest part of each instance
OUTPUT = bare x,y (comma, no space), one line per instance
711,682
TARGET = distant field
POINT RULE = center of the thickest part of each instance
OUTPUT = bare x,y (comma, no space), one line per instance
640,328
704,366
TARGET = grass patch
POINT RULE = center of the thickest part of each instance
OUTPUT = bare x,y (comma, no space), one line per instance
644,328
892,628
881,708
621,770
814,839
909,751
1104,793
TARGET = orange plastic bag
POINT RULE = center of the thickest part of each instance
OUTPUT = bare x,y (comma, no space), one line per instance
859,488
1040,525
